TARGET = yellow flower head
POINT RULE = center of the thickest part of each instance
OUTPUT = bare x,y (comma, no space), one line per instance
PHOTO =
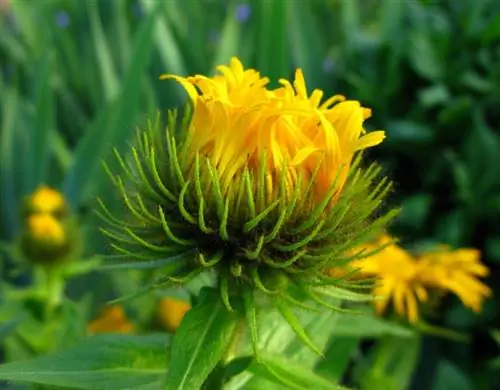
263,186
46,200
112,319
457,271
171,312
397,271
44,228
237,121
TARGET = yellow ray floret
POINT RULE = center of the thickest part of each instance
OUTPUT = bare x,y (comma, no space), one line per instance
457,271
237,120
45,228
112,319
397,273
171,312
46,200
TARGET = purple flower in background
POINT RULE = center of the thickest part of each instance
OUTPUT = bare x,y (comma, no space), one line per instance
328,65
243,12
62,19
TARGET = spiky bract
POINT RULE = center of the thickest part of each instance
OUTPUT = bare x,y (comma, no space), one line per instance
176,216
264,187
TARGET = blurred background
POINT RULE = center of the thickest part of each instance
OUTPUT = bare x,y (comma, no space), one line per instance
78,77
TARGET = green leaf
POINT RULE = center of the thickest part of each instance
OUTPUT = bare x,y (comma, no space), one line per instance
337,357
492,246
9,205
200,342
109,76
279,370
391,364
369,326
229,40
496,336
451,377
114,125
349,20
276,335
295,324
43,125
307,45
434,95
415,210
453,227
273,58
25,15
320,327
8,327
81,267
425,56
122,28
406,133
492,32
111,362
481,149
166,44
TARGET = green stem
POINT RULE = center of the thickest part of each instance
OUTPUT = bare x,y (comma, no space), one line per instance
54,290
442,332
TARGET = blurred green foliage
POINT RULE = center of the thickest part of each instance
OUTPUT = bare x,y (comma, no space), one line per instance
77,78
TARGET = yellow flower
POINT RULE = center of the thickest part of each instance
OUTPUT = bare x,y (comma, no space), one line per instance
457,271
112,319
398,281
237,120
44,228
171,312
263,186
46,200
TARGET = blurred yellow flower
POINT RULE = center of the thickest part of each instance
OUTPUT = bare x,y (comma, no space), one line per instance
296,134
44,228
171,312
406,279
46,200
397,272
457,271
112,319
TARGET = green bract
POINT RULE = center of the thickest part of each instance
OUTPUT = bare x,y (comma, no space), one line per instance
180,222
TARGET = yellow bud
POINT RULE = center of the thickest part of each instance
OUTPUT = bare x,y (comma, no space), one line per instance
171,312
112,319
46,200
44,228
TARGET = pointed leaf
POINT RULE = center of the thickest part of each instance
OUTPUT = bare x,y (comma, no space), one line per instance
111,362
43,124
280,370
337,357
200,342
369,326
293,321
229,40
114,125
273,58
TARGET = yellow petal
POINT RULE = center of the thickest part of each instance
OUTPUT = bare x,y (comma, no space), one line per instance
302,155
190,89
371,139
